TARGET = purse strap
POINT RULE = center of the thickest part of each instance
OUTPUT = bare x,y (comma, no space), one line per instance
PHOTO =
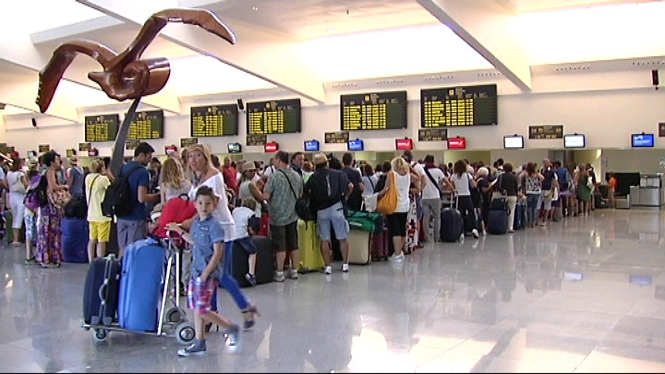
91,184
289,181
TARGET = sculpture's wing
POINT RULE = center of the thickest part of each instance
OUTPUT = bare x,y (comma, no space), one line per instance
51,74
199,17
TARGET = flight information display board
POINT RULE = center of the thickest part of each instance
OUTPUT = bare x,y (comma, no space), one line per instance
459,106
214,120
373,111
102,128
273,117
147,125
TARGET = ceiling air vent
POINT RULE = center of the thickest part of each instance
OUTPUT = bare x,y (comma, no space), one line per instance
651,63
344,85
386,82
571,68
436,78
489,74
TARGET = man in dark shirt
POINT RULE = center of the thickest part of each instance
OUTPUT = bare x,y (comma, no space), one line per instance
327,189
354,201
134,226
297,160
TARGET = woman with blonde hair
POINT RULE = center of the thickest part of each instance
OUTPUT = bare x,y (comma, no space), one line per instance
173,182
404,175
96,183
205,174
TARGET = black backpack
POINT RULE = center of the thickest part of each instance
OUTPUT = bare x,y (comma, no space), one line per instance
118,197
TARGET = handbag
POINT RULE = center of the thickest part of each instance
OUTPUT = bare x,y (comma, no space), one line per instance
370,202
548,195
59,198
388,202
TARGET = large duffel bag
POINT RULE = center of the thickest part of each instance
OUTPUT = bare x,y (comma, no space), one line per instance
75,234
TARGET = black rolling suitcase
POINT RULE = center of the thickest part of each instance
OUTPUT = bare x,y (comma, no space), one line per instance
452,223
497,218
101,291
265,262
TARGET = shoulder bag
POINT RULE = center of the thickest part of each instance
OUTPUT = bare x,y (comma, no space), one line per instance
388,203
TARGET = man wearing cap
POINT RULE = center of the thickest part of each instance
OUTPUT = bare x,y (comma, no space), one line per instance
75,178
326,189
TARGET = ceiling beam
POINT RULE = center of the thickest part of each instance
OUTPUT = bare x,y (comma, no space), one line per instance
269,56
74,30
487,28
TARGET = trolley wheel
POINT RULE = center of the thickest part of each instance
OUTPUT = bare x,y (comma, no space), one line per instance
175,315
185,333
100,335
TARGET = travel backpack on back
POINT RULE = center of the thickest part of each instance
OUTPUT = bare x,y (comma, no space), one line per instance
35,196
118,197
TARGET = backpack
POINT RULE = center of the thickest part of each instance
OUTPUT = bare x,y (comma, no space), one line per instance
35,196
178,210
118,197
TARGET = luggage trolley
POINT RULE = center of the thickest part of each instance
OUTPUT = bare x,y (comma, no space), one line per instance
173,321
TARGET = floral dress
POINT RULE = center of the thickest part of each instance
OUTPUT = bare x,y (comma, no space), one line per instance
49,246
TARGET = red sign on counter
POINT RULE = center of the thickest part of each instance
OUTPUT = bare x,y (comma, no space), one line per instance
404,144
271,147
456,143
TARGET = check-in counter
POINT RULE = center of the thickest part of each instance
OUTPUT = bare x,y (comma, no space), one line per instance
649,193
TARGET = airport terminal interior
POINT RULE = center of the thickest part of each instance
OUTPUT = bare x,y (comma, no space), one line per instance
577,81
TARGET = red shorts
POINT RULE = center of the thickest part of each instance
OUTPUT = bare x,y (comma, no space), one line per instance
198,296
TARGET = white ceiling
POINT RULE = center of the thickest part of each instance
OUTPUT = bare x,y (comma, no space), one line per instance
327,29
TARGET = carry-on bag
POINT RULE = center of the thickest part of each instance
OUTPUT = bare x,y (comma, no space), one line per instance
100,292
359,247
452,223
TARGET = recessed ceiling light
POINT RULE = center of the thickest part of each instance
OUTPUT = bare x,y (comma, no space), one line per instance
255,8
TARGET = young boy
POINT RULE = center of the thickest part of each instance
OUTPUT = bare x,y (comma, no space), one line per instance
246,226
207,237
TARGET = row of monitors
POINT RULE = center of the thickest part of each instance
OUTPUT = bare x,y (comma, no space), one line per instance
509,142
579,141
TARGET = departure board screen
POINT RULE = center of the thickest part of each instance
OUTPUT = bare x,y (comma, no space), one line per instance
102,128
147,125
459,106
273,117
373,111
214,120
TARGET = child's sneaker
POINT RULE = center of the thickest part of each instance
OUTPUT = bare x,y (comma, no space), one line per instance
196,349
251,279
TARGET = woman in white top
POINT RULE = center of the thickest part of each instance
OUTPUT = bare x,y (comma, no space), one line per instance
531,183
369,179
462,182
404,176
17,183
173,183
205,174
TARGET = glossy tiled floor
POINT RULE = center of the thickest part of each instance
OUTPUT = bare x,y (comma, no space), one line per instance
501,303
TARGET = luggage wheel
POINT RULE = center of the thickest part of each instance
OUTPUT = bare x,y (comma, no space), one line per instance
185,333
175,315
100,335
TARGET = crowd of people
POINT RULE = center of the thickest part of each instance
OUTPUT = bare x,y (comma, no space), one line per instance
232,197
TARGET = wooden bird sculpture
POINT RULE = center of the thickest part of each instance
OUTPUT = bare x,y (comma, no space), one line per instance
126,75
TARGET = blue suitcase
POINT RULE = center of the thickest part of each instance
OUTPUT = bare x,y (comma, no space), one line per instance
75,236
141,285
